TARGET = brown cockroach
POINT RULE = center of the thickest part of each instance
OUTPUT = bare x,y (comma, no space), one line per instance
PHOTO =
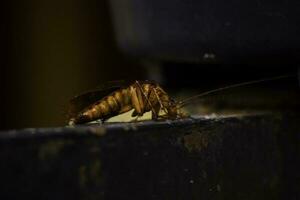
139,96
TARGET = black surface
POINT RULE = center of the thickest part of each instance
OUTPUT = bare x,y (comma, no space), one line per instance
209,30
250,157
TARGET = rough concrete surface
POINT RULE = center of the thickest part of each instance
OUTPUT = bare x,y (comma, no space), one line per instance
238,157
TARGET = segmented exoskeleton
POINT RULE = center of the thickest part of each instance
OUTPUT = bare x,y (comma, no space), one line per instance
141,96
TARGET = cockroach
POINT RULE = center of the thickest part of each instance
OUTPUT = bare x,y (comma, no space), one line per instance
139,96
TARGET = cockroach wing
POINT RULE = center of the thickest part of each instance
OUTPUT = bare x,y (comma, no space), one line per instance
79,102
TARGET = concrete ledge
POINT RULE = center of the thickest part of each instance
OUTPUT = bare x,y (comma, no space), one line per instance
238,157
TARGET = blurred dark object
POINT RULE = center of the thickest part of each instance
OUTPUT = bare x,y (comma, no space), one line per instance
53,50
209,31
243,157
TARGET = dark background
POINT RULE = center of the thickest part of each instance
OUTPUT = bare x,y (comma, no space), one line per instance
51,51
54,50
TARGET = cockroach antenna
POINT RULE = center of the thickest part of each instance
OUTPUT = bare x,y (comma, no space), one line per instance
188,100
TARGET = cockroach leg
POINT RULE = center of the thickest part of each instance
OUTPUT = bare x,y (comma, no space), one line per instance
155,112
159,100
135,119
147,99
135,101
